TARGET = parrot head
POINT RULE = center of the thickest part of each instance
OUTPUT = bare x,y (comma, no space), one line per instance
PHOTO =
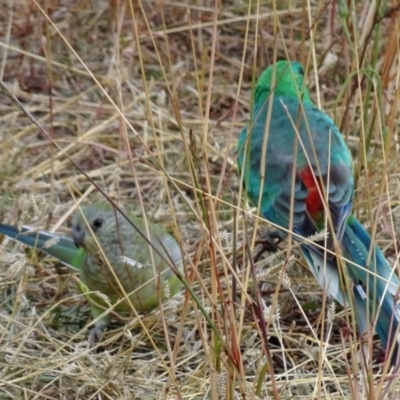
289,81
95,225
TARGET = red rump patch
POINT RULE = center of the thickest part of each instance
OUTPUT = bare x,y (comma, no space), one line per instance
313,202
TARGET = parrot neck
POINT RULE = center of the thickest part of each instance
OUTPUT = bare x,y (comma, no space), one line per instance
262,94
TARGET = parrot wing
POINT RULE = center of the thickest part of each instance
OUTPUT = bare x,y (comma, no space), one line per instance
305,156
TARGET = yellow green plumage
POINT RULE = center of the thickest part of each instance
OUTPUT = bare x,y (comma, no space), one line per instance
132,262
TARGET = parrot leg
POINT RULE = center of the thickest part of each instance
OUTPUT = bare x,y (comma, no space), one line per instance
97,307
96,332
269,243
271,240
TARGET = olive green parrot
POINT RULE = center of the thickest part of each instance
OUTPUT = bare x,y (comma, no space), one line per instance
136,265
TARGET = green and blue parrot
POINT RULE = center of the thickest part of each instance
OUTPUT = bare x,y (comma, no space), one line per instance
136,265
297,168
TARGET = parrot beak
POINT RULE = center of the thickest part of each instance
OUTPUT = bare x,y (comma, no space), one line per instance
79,236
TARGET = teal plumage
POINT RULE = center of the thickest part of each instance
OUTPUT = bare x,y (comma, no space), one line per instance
295,165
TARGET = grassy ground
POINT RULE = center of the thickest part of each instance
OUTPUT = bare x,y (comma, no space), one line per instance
148,99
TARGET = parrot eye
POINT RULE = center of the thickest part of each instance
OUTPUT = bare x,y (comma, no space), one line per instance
300,70
97,223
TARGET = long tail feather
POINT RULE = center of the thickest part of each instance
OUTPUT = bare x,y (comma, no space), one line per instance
57,246
378,282
374,286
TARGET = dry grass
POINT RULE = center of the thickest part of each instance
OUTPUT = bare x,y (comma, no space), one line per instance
148,99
